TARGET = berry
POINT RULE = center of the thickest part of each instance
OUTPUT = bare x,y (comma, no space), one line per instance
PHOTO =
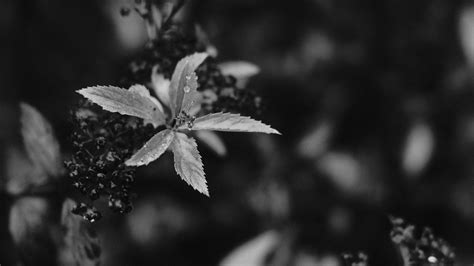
424,248
87,212
99,151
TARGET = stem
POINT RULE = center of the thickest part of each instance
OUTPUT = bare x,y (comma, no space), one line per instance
157,18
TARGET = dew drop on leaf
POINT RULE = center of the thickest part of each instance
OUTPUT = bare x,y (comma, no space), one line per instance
187,89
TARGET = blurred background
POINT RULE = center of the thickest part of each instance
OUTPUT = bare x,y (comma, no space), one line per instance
374,99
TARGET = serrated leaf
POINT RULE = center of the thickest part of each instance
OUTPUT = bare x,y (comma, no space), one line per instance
230,122
81,245
182,77
187,162
213,141
41,145
143,91
153,149
191,95
125,102
161,86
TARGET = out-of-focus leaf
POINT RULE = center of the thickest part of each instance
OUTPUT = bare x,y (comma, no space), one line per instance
241,70
161,86
129,32
462,197
187,162
182,81
230,122
158,220
81,245
253,252
418,149
40,143
316,141
153,149
466,32
29,225
22,174
213,141
125,102
306,259
270,199
27,217
203,39
343,169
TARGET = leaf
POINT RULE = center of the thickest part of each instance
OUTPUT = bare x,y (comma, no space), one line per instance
41,145
143,91
125,102
81,245
253,252
30,226
187,162
22,175
213,141
153,149
418,150
27,217
343,169
161,86
203,39
241,70
230,122
182,77
316,141
191,95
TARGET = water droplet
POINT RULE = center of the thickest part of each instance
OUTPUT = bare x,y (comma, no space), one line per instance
187,89
188,77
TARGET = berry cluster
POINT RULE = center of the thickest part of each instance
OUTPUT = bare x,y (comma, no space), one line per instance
102,141
359,259
219,91
420,248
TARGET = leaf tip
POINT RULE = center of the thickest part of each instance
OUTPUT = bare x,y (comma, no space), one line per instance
274,131
81,91
133,162
24,105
